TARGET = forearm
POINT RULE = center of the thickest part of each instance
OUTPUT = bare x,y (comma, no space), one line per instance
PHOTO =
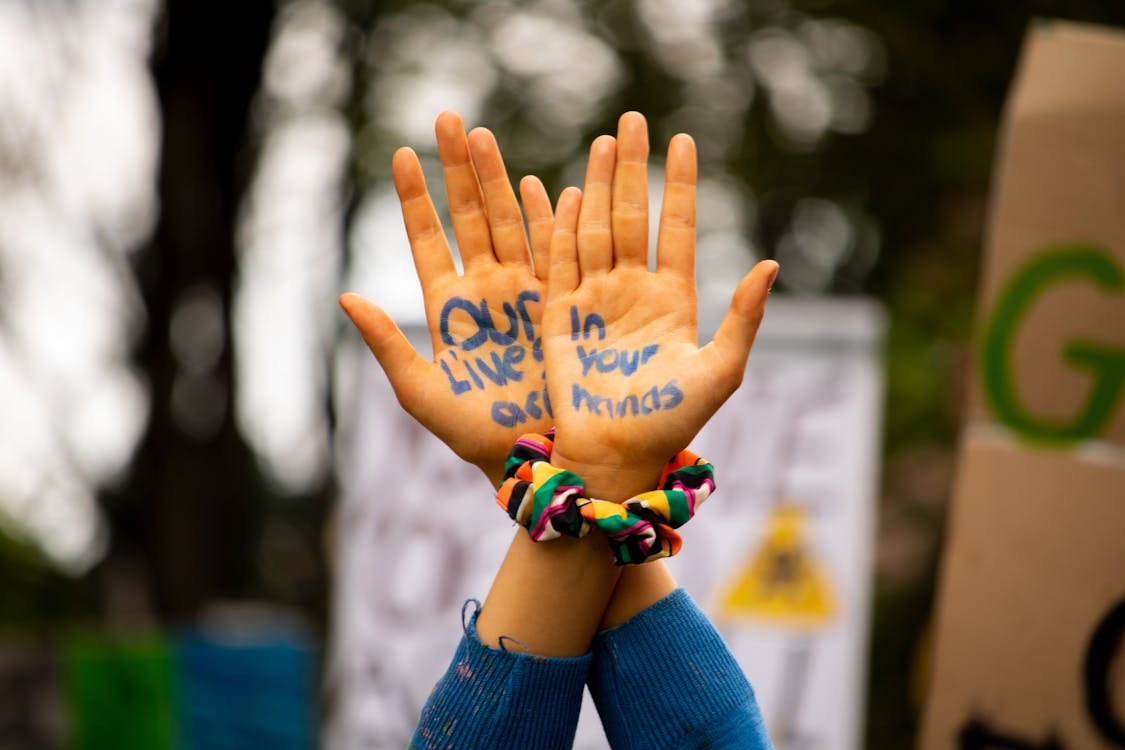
553,597
549,597
638,588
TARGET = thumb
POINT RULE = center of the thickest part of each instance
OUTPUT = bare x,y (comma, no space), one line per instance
386,341
731,345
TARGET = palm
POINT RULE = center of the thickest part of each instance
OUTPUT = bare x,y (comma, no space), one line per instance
629,384
618,350
485,385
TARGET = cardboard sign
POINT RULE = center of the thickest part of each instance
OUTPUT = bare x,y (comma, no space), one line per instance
1053,289
1037,564
1030,628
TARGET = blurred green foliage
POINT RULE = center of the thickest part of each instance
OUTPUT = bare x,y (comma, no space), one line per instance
36,594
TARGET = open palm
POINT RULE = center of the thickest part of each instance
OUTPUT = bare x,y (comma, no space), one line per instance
629,384
485,385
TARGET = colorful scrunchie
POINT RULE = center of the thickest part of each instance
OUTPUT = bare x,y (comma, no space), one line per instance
549,502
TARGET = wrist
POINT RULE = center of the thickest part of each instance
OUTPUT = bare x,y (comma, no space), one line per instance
636,503
609,477
494,472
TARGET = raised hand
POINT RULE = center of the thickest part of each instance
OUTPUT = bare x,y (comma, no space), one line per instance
485,386
629,384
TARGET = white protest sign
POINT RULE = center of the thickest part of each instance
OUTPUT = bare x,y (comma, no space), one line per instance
781,561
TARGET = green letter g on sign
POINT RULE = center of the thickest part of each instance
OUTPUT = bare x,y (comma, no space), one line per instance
1106,364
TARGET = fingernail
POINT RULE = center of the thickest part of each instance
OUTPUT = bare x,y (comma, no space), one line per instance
772,277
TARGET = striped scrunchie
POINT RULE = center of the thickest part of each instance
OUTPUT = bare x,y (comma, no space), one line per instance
549,502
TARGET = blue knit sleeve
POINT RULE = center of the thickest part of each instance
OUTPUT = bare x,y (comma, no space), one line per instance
496,699
666,679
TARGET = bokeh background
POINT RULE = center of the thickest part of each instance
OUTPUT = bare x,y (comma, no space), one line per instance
186,186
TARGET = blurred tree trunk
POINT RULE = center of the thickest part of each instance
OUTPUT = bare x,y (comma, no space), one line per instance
188,509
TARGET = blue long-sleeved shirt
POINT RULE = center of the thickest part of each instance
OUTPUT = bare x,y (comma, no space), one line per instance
664,679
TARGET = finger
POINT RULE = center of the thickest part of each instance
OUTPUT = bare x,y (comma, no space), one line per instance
727,352
564,274
404,367
540,222
509,241
675,243
466,205
595,243
630,192
432,257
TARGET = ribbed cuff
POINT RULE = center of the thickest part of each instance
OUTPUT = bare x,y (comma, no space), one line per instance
495,698
666,679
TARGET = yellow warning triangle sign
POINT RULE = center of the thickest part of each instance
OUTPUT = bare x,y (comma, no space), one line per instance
781,582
